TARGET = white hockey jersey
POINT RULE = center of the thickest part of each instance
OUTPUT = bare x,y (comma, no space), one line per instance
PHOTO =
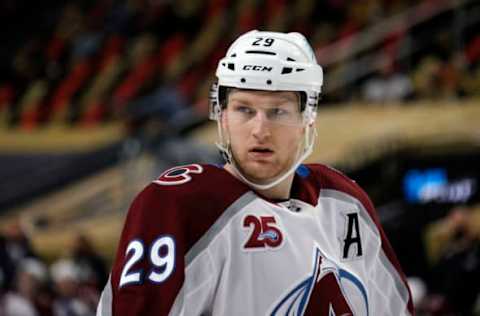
197,241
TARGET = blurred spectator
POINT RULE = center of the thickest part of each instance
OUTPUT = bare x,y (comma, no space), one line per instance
7,267
387,85
72,297
444,73
90,264
14,247
472,82
28,296
18,245
425,78
472,50
454,248
451,74
165,105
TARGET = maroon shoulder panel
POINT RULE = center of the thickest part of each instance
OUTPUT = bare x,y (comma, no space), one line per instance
306,187
333,179
166,219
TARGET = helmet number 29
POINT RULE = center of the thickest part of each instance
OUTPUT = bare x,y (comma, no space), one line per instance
262,41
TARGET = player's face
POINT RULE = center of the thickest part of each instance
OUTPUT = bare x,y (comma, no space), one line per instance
266,131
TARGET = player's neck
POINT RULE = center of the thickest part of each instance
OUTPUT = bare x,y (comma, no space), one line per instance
279,192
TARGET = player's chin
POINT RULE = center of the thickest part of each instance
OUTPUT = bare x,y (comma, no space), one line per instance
261,172
260,167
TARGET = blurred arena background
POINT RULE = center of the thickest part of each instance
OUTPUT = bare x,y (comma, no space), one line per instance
97,98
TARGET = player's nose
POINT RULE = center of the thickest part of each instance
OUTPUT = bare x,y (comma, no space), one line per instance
261,125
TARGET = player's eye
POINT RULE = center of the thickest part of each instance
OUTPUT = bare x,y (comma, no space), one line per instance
282,115
244,110
278,112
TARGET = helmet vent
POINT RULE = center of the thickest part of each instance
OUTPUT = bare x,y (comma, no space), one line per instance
269,81
233,55
290,59
242,80
286,70
231,66
299,69
260,52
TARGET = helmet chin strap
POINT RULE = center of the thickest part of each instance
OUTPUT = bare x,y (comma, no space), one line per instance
226,151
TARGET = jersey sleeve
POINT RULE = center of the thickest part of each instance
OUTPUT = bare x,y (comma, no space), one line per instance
148,271
150,274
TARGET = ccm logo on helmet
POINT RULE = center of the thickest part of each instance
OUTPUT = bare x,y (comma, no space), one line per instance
257,68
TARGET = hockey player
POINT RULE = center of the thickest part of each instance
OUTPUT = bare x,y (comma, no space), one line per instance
264,234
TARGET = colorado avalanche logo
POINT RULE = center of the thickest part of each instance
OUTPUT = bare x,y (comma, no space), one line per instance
178,175
325,293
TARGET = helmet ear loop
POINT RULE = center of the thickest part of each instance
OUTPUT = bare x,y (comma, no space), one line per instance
224,143
311,131
312,136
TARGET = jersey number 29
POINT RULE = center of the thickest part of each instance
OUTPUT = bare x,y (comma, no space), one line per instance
161,259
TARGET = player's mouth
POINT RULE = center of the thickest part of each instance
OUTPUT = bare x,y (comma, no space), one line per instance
259,153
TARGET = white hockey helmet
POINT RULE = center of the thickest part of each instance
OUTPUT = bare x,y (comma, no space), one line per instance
270,61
